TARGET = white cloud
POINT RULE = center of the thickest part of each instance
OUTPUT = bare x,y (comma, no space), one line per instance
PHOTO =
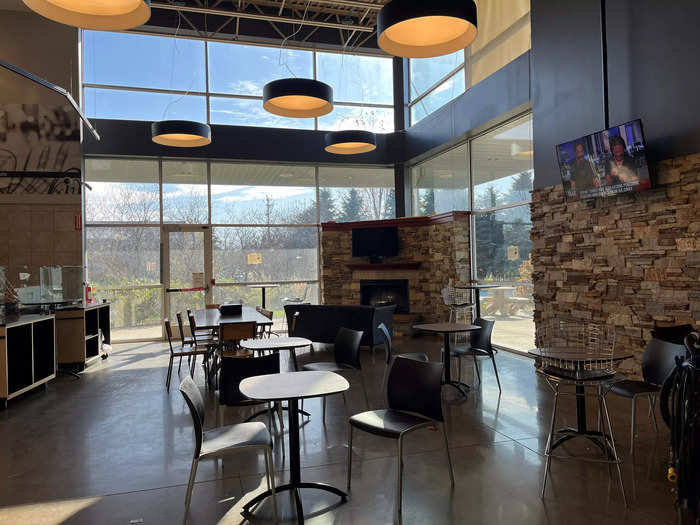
254,193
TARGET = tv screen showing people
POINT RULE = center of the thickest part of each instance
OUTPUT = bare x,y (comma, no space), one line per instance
606,163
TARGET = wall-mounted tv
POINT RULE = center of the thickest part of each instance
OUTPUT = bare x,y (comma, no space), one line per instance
375,242
609,162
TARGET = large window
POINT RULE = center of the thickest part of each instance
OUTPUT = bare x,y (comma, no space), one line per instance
504,35
241,224
144,77
491,175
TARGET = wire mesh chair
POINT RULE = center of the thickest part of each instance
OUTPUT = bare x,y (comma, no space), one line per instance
459,302
581,354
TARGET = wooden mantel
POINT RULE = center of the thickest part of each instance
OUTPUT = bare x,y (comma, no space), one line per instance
403,222
383,267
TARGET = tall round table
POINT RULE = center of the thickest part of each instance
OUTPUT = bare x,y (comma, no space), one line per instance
448,329
292,387
276,344
263,287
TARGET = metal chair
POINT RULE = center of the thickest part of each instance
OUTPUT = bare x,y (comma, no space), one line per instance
414,400
224,440
265,331
579,353
459,302
346,352
181,352
658,361
479,346
297,300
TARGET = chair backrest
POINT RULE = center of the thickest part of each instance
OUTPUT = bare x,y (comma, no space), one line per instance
452,296
386,339
347,347
212,306
181,328
263,329
306,292
293,327
231,332
416,386
481,339
169,333
658,360
233,371
672,334
195,402
572,348
193,325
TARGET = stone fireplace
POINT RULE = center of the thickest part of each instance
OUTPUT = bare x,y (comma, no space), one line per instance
432,252
381,292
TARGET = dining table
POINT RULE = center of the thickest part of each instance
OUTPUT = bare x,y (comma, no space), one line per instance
211,318
447,329
275,344
292,387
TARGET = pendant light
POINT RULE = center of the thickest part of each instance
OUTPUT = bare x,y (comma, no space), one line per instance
350,142
181,133
104,15
423,29
298,98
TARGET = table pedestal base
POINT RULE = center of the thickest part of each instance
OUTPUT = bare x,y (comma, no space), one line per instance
294,489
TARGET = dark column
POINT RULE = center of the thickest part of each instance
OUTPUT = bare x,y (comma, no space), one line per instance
401,180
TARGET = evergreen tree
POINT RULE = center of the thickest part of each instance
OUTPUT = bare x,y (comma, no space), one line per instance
351,206
327,205
427,203
520,187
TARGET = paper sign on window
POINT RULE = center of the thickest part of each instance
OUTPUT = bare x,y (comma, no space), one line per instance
255,258
513,253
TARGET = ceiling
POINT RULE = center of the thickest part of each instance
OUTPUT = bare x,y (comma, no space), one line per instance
348,24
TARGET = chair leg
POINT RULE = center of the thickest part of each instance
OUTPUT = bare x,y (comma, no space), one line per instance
652,408
170,372
279,415
634,420
614,449
476,368
193,365
190,485
495,369
449,458
179,365
270,473
399,485
323,402
364,390
550,439
349,455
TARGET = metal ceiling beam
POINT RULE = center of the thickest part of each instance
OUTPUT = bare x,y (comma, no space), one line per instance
258,16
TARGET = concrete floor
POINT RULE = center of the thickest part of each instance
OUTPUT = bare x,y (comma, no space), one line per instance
115,448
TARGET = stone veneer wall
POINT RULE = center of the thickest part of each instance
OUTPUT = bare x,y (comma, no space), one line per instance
632,260
439,243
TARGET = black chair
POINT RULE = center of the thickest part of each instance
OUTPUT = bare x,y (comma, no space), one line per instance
414,396
346,352
672,334
235,370
389,351
658,361
181,352
223,440
479,346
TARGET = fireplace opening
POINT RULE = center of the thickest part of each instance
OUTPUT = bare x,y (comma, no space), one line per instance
386,292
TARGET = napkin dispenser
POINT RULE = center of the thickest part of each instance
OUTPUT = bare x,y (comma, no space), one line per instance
231,309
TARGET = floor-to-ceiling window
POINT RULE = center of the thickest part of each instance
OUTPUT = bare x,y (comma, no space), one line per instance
504,34
164,235
146,77
490,175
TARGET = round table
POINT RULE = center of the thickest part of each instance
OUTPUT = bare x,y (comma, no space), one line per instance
263,287
292,387
276,344
447,329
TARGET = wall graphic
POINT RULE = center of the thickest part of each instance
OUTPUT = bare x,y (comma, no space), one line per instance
39,150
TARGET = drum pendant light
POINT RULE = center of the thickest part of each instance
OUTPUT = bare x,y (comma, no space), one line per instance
350,142
181,133
423,29
104,15
298,98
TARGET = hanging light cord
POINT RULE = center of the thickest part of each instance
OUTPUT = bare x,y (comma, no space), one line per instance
176,52
286,39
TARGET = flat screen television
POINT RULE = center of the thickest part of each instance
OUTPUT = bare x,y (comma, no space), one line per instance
375,242
610,162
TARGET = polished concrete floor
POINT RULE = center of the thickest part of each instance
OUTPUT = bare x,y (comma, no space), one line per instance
115,448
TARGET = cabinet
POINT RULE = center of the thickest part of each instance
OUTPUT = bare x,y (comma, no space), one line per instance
27,354
78,333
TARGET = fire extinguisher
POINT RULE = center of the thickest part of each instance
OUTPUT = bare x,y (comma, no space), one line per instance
88,294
